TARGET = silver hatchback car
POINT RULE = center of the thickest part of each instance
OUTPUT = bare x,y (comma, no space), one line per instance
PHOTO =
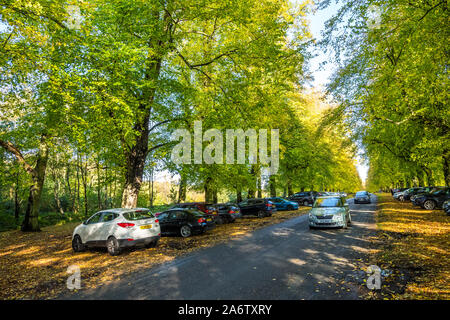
330,212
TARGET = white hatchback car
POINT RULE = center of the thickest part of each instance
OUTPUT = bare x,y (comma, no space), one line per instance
117,229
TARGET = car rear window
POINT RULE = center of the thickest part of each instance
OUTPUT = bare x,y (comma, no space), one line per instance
361,193
138,215
196,213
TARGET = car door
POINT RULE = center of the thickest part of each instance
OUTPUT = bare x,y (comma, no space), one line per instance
177,220
445,195
91,231
244,207
108,226
279,204
164,223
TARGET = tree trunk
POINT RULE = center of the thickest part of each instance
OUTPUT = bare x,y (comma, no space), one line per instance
99,190
289,187
429,173
31,220
446,167
272,186
238,194
16,198
208,190
259,187
56,194
182,191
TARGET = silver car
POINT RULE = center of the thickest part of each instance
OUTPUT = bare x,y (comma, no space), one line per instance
330,212
116,229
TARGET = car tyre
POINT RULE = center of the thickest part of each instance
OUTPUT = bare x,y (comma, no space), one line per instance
152,244
305,203
290,208
185,231
429,205
113,247
261,214
220,220
345,226
77,244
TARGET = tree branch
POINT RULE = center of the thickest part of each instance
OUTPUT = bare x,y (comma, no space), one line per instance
8,146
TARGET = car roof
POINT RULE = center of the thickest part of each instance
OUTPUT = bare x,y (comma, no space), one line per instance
123,210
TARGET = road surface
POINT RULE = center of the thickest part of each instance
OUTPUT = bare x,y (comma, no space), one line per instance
284,261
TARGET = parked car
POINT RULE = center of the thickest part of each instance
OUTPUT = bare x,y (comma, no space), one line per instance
362,197
330,211
407,194
446,207
257,207
228,212
116,229
433,200
304,198
283,204
207,208
184,222
431,190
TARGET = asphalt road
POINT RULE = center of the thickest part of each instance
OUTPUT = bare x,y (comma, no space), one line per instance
284,261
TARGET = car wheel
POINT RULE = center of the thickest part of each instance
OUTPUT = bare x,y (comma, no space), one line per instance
220,220
152,244
77,244
349,219
429,205
401,198
345,226
185,231
290,208
305,203
261,214
112,245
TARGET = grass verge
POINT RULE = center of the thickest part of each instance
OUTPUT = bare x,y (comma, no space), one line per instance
413,244
34,265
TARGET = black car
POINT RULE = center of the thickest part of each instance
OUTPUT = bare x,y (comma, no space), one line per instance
228,212
206,208
394,191
408,193
446,207
362,197
433,200
257,207
184,222
306,198
420,194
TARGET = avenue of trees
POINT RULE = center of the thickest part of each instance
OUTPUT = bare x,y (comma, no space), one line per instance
89,98
392,87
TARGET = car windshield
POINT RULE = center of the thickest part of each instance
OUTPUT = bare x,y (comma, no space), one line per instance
327,203
138,215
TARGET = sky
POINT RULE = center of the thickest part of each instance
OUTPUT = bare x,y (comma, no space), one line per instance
322,75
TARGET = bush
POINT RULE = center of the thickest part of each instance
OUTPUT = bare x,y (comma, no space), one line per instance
7,222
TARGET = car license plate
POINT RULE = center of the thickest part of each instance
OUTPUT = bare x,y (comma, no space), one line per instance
146,227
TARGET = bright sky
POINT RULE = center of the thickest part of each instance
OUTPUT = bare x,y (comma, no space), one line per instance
322,75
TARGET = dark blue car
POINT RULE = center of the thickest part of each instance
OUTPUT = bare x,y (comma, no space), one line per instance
283,204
